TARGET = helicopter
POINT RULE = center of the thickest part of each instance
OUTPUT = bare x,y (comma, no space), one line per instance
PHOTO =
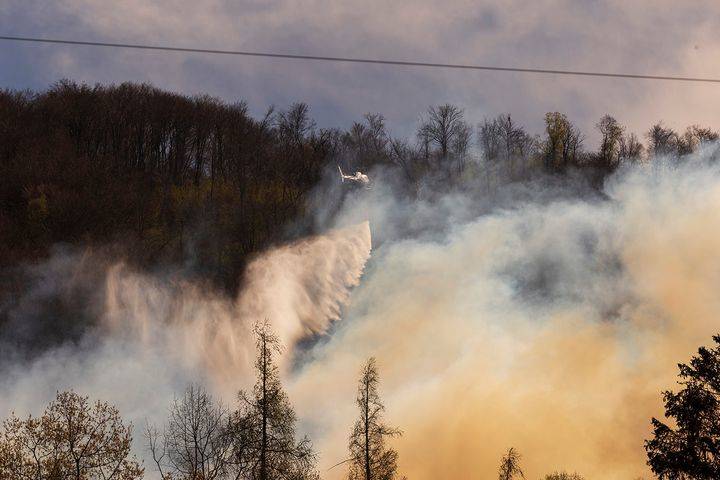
358,177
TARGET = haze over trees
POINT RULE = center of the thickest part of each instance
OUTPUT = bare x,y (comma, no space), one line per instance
510,469
201,439
204,440
157,175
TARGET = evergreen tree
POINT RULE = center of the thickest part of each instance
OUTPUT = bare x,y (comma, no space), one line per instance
370,458
690,450
510,465
264,426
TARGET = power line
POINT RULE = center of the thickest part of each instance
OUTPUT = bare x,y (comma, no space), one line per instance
400,63
340,463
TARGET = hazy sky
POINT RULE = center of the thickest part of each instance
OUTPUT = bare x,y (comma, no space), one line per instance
661,37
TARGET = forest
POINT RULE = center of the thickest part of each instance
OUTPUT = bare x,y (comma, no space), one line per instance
154,175
162,180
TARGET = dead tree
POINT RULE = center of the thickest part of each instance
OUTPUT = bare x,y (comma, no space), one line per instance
370,458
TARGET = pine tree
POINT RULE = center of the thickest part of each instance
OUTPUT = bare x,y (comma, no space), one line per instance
265,424
370,458
510,466
692,448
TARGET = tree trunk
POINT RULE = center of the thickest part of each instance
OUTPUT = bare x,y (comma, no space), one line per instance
263,446
367,431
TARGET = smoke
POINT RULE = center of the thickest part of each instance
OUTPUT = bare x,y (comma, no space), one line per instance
298,288
156,333
549,326
544,321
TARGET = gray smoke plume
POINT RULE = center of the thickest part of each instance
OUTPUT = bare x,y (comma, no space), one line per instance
541,320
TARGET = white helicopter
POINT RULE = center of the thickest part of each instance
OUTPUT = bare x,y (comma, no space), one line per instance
358,177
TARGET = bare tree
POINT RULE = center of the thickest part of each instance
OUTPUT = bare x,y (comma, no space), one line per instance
446,129
444,123
295,124
461,146
366,143
630,148
506,144
265,423
490,144
662,140
510,465
196,441
406,158
424,141
370,458
693,138
72,440
508,133
489,139
704,134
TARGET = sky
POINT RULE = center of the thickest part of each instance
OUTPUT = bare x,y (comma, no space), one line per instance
658,37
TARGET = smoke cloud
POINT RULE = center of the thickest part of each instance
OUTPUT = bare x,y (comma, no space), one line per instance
549,326
550,323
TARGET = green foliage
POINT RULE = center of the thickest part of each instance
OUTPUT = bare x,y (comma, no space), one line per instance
690,448
563,146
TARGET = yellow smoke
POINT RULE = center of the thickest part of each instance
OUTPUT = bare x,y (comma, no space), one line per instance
474,361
